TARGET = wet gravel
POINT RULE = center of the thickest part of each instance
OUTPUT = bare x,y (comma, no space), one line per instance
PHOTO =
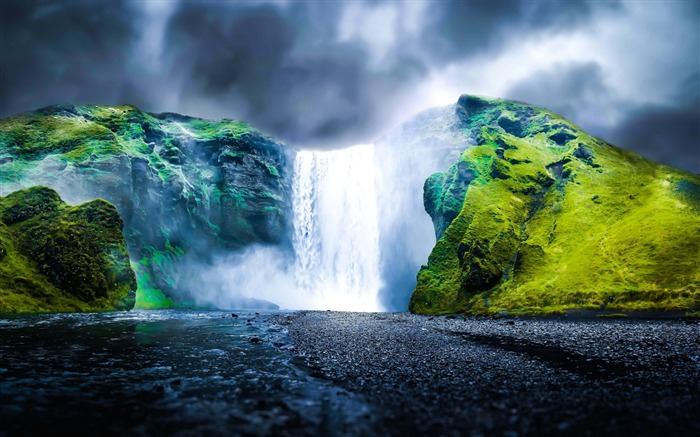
511,377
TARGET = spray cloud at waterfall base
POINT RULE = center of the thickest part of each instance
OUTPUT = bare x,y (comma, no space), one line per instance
334,263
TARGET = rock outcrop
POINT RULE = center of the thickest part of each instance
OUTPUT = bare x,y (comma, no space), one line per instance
537,217
58,258
185,187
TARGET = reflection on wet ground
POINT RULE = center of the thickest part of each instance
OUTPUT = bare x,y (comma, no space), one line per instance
167,372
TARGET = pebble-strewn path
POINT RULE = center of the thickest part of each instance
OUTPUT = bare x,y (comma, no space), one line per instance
507,377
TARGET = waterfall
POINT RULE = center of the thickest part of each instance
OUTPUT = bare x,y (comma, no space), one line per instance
359,228
336,229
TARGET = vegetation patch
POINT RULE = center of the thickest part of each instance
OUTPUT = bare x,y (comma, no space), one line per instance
548,225
55,257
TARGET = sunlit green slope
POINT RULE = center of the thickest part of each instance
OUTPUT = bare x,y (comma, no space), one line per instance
540,217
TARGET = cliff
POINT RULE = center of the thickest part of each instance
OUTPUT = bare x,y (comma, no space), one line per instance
58,258
539,217
185,187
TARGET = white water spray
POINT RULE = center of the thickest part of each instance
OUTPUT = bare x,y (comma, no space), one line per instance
336,229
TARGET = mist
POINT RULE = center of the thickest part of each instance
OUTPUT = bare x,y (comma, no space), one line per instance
258,276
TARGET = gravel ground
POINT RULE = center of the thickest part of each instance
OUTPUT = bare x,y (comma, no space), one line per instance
510,377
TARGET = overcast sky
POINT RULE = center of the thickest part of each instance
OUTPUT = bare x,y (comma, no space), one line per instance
328,74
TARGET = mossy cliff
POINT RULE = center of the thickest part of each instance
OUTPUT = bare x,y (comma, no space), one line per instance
539,217
185,187
58,258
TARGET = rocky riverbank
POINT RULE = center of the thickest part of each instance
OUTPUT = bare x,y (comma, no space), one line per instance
535,376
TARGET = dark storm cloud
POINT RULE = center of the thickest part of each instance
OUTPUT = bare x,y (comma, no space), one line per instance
465,27
563,15
462,28
669,134
285,69
563,89
307,73
254,54
245,50
324,90
55,52
666,134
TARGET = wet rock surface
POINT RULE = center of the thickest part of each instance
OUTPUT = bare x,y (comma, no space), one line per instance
481,376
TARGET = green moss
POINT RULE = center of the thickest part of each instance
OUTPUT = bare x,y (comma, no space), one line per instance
148,296
222,130
545,227
231,154
62,258
273,170
37,136
75,133
23,205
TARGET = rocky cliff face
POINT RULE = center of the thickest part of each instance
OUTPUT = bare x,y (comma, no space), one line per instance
183,186
55,257
539,217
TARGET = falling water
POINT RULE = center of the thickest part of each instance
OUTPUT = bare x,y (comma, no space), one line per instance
360,231
336,229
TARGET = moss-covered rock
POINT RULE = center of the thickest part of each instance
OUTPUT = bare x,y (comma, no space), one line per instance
55,257
539,217
185,187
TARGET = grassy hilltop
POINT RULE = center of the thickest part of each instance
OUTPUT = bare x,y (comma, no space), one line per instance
539,217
